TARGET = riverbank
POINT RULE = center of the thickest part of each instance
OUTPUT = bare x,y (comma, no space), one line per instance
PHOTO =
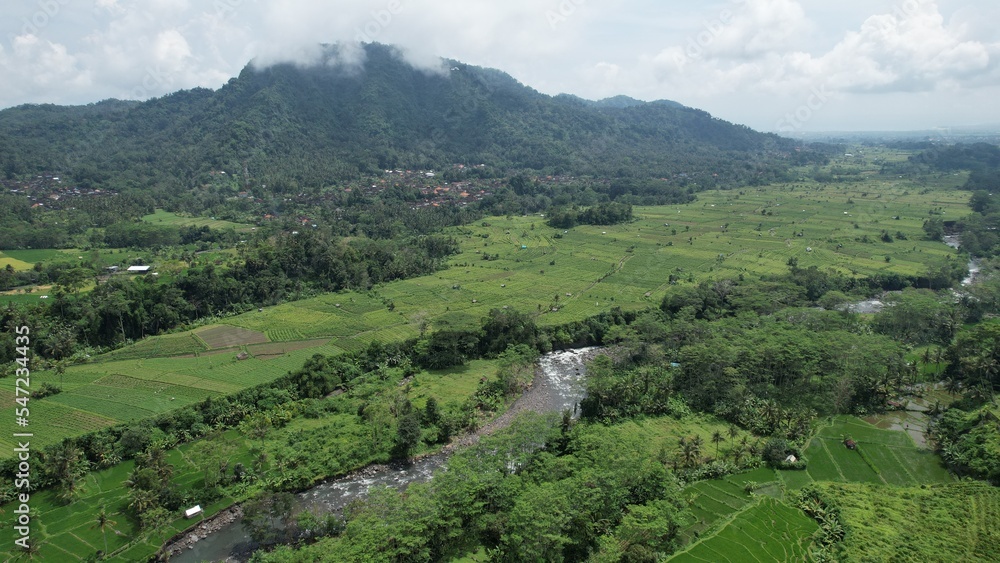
557,385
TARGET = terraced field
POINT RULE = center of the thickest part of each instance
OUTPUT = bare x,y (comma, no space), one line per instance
724,515
223,336
881,457
766,531
160,346
952,522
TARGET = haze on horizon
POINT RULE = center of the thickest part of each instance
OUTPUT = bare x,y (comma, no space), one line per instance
774,65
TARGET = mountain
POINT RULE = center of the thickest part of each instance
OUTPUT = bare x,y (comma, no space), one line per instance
287,126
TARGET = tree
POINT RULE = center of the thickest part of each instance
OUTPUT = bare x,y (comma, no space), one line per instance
407,431
103,522
67,466
733,432
257,426
269,518
431,414
974,358
537,528
647,531
142,500
73,279
717,439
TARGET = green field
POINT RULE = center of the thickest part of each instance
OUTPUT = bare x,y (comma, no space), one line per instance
159,346
24,298
67,532
882,457
450,385
26,259
954,522
557,276
766,531
715,500
719,504
167,218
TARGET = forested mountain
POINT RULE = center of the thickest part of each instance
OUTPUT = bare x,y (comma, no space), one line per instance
289,127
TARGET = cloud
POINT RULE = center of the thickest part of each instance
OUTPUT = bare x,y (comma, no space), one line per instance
909,50
765,51
756,28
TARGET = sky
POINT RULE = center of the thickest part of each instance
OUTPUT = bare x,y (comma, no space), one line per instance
774,65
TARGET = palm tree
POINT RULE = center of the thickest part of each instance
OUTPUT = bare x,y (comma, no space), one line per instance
142,500
32,550
716,439
738,454
696,444
103,522
938,356
953,385
926,358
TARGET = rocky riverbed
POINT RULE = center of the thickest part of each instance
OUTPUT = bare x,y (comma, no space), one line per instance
558,385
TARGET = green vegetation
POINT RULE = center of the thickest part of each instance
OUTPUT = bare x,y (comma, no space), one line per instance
170,219
957,522
768,530
969,440
587,490
598,270
302,443
234,140
330,300
880,456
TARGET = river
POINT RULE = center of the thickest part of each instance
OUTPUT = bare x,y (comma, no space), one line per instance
558,386
955,242
877,304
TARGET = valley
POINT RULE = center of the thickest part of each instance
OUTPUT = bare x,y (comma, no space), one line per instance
556,329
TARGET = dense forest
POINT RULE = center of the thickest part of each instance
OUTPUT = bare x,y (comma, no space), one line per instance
284,129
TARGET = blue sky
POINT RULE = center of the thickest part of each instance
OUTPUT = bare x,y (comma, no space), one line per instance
776,65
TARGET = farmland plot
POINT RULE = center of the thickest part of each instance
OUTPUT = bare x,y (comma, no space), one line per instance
766,531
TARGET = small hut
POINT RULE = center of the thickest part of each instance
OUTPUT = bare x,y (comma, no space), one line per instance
850,444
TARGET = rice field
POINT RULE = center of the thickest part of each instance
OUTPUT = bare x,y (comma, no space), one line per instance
950,522
223,336
70,532
887,457
766,531
160,346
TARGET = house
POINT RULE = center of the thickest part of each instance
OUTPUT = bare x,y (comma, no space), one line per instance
138,269
851,444
193,511
112,269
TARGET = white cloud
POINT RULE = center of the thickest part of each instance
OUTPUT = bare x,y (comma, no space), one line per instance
757,28
702,54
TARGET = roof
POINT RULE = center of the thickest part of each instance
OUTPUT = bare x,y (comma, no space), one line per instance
138,268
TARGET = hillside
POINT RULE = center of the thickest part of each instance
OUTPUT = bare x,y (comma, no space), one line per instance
287,126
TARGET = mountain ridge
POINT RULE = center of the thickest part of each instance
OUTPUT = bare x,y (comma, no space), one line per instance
320,124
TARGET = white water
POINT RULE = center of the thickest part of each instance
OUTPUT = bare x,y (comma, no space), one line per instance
559,387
